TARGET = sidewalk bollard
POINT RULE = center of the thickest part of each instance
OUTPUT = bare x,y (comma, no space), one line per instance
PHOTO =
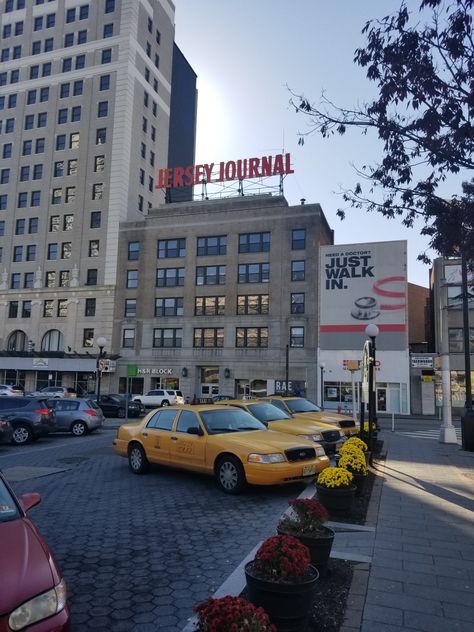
393,422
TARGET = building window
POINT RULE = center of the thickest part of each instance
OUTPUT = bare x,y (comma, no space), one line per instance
109,6
297,270
33,225
17,254
171,248
108,31
101,136
90,307
133,250
56,196
70,194
44,94
99,164
132,278
31,252
102,109
106,56
84,12
60,142
80,62
3,202
68,222
209,306
78,88
66,250
72,167
91,277
130,307
53,340
28,279
37,172
67,64
68,40
82,37
128,338
74,140
48,308
208,337
97,191
5,176
456,340
22,200
64,278
298,239
7,150
35,198
20,227
95,220
62,308
254,242
254,273
169,306
104,83
210,275
76,113
26,309
94,248
296,336
251,337
50,280
170,277
52,252
13,309
88,338
297,303
250,304
167,338
15,281
212,245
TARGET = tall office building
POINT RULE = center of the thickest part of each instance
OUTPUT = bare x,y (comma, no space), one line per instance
85,107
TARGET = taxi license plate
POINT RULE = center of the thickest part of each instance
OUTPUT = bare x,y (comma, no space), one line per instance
308,470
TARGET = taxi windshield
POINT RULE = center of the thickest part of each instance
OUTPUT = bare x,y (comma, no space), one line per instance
266,412
229,420
300,405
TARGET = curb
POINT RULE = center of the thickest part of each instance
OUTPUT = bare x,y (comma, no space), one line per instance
352,621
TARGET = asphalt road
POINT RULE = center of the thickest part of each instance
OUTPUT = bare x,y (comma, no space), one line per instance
137,552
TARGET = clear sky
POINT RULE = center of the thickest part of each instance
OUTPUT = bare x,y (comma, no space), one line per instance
247,54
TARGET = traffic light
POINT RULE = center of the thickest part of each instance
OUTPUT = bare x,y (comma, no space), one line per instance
31,345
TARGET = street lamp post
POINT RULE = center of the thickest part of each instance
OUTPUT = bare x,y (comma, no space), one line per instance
372,332
287,369
100,341
467,417
321,368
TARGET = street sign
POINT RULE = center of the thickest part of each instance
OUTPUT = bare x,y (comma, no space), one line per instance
105,365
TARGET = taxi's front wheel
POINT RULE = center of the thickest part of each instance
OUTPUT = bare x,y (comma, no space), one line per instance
230,475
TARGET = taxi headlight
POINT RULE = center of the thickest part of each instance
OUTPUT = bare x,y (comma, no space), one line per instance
39,608
311,437
320,451
266,458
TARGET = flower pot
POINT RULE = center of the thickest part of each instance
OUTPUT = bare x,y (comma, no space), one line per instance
337,500
287,604
359,482
319,545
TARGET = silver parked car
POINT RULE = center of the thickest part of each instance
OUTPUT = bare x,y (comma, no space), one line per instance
76,415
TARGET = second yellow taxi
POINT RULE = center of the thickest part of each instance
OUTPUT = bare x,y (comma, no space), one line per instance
226,442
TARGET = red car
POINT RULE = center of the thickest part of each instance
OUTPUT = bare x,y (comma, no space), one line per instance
32,588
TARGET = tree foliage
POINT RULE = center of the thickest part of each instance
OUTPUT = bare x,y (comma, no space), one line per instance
422,63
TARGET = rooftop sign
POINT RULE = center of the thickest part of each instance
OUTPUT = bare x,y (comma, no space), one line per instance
241,169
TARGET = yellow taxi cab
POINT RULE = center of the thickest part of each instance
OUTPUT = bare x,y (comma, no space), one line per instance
301,406
226,442
275,418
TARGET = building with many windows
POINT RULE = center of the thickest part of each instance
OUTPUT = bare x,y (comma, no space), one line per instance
220,297
86,101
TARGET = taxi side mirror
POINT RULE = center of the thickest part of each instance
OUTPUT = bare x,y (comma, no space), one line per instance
196,430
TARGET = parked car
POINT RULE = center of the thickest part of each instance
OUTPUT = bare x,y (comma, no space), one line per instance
33,594
31,417
302,406
274,418
116,406
222,441
159,397
56,391
6,431
78,416
8,389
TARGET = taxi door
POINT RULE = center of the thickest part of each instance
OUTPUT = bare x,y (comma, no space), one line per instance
156,435
188,450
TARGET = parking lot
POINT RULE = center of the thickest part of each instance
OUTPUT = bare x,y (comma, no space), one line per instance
137,552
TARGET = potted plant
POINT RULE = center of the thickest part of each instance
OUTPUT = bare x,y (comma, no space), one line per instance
282,580
353,442
336,489
354,461
305,521
231,613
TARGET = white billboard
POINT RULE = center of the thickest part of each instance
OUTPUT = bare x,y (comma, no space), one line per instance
362,284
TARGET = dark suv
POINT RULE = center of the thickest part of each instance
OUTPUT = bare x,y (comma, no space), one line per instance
31,417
